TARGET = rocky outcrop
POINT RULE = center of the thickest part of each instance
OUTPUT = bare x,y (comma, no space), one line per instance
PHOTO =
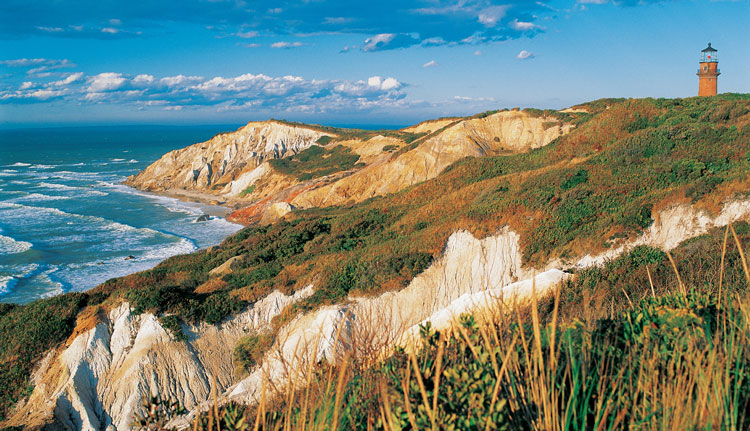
275,212
674,225
227,267
503,132
100,378
214,166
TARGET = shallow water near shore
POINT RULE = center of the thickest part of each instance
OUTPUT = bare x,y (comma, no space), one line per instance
66,222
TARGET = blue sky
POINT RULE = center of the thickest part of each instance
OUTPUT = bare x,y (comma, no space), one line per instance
350,62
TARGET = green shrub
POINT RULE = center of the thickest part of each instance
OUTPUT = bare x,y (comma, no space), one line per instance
579,177
28,332
172,324
249,350
247,191
316,161
324,140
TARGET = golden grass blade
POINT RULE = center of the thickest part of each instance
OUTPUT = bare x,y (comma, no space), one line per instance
405,386
438,367
651,282
553,329
742,253
303,412
385,407
723,256
260,408
422,389
211,414
496,389
679,279
628,298
216,406
471,345
339,388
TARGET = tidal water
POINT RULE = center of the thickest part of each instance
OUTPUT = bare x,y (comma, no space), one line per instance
68,224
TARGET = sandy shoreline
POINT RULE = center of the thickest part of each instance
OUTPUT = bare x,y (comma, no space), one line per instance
210,204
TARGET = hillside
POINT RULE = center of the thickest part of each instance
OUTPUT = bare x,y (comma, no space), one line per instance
577,201
274,162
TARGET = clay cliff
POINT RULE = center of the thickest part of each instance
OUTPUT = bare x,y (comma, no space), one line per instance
212,167
234,168
505,132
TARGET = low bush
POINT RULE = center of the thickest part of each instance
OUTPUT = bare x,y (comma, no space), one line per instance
249,351
28,332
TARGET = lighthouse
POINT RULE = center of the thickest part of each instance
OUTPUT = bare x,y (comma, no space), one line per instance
708,73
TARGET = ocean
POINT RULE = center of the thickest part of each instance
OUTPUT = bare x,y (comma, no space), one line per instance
68,224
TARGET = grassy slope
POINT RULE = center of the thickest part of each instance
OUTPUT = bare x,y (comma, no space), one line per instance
591,187
316,161
594,358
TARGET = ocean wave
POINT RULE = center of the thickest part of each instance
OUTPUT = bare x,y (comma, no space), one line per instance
170,204
10,245
104,224
7,174
55,186
41,166
39,197
6,283
116,160
15,273
20,165
20,183
183,246
132,161
56,288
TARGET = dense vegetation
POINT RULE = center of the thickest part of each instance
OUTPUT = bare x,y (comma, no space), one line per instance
348,134
596,186
669,356
28,331
316,161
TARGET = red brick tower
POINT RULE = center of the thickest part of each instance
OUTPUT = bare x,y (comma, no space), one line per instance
709,72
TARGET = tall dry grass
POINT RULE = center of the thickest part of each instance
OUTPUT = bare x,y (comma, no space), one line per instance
675,361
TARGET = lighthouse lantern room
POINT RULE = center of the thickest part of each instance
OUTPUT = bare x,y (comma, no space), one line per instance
708,72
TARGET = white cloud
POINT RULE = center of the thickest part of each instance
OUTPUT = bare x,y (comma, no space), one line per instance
46,94
24,62
525,55
143,79
252,92
390,84
477,53
73,77
379,39
105,82
246,34
522,25
491,15
110,30
286,44
173,81
431,63
374,81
